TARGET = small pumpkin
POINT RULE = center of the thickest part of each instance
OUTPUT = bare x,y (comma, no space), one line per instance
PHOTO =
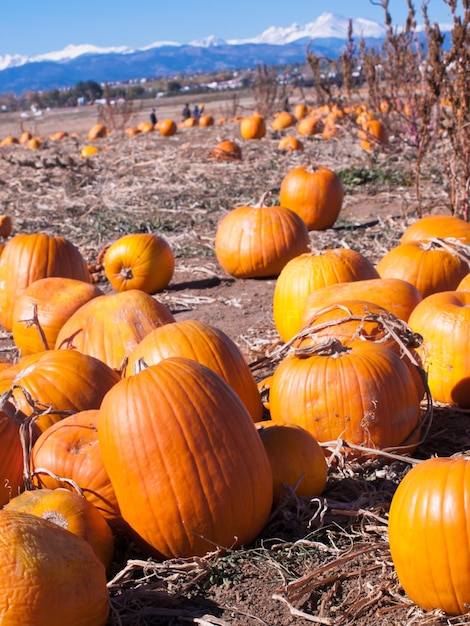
50,577
310,125
167,127
290,144
205,121
227,150
283,120
428,530
297,460
315,193
96,132
88,151
257,241
253,127
142,261
372,134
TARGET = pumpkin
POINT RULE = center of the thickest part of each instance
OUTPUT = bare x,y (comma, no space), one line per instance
283,120
227,150
443,320
6,226
11,453
110,326
310,125
29,257
362,393
167,127
9,140
253,127
96,132
372,134
428,531
205,121
429,266
56,381
71,511
88,151
207,345
290,144
315,193
34,143
297,460
398,296
437,226
71,451
130,131
185,460
142,261
145,127
58,135
308,272
257,241
50,577
43,308
300,110
25,137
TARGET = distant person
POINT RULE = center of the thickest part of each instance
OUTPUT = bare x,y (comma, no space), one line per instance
196,112
186,112
153,117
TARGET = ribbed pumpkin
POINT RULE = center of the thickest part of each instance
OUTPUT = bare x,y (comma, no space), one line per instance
437,226
429,266
49,576
43,308
253,127
297,460
443,320
184,457
308,272
110,326
226,150
29,257
362,393
57,380
142,261
397,296
70,450
207,345
257,241
71,511
315,193
429,530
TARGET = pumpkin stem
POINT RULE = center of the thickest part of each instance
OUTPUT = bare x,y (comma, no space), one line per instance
264,199
126,273
330,347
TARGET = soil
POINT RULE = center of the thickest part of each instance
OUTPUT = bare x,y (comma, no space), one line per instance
322,560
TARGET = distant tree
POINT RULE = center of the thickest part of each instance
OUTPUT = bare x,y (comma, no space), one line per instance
173,86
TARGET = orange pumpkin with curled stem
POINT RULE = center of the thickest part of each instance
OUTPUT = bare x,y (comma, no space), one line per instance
142,261
257,241
315,193
428,531
72,511
50,577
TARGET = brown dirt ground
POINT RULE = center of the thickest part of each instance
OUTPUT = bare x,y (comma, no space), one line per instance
322,560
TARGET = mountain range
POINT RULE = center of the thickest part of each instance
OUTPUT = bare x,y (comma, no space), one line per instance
326,35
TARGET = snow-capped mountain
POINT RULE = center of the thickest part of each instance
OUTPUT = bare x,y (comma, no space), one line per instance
326,34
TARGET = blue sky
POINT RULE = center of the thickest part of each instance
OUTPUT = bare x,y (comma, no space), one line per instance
32,27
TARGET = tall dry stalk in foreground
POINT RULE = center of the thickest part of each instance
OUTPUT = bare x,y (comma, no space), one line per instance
270,95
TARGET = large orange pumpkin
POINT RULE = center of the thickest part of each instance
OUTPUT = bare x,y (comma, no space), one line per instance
253,127
11,453
257,241
429,531
139,261
49,576
443,320
167,127
70,450
308,272
110,326
428,265
29,257
54,382
184,457
363,394
71,511
43,308
315,193
207,345
437,226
